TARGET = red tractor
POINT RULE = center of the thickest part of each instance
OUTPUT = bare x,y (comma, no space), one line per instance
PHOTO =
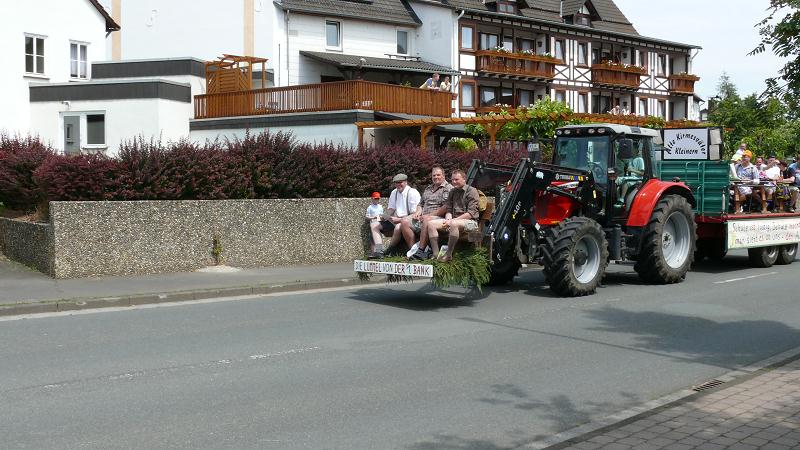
598,201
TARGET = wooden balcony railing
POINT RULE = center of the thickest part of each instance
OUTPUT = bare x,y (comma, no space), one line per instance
335,96
682,83
535,66
617,75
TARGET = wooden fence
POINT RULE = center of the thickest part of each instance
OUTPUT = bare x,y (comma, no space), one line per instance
335,96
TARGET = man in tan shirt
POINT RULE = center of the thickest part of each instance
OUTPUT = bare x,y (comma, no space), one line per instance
461,215
430,208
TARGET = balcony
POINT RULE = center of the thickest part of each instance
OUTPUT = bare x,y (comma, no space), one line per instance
335,96
516,64
617,75
682,83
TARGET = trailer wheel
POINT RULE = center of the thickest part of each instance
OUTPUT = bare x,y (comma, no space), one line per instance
668,242
786,254
763,257
575,257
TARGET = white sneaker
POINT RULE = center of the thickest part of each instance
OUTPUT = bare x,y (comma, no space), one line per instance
412,250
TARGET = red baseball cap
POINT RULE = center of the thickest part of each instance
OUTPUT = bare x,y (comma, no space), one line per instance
376,194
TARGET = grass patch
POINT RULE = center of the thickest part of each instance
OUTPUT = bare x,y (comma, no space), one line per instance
469,267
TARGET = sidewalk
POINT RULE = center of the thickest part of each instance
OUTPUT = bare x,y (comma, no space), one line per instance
25,291
757,411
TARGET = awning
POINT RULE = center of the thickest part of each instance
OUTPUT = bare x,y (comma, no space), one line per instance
370,62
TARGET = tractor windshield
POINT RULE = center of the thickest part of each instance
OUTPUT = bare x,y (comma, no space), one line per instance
585,153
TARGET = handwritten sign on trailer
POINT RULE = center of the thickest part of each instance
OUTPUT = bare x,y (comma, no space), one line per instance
763,233
394,268
686,143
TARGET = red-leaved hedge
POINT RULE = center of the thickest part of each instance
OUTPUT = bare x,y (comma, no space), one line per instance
258,166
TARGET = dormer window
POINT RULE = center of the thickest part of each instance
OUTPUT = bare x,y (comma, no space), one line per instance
583,17
507,6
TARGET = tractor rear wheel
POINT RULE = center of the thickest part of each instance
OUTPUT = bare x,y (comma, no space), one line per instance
575,256
668,242
763,257
786,254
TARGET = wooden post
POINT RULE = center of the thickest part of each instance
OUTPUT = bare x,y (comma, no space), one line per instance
492,128
423,131
360,137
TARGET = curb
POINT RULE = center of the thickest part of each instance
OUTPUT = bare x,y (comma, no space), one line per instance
76,304
622,418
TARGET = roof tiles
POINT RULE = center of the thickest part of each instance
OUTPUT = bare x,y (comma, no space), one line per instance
389,11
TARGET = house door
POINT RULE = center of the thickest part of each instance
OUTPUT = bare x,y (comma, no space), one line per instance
72,135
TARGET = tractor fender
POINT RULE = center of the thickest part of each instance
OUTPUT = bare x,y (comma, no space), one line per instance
649,195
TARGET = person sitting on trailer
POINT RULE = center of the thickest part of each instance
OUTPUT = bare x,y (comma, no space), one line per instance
748,174
788,179
462,215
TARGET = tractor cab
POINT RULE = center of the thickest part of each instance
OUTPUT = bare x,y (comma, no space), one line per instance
619,158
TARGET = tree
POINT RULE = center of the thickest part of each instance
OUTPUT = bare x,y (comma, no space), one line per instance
782,34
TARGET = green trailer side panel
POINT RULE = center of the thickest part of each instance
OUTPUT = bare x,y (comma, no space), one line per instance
708,180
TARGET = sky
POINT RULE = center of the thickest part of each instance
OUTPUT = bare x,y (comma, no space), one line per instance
724,28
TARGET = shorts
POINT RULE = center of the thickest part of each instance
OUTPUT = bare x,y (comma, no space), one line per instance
470,225
387,227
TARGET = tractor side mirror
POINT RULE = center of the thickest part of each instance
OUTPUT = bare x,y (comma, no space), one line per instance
625,149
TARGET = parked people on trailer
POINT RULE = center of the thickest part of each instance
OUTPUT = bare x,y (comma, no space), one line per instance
431,83
748,174
771,174
374,213
462,215
432,207
760,163
402,202
446,85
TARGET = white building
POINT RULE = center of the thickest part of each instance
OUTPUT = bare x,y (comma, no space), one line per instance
43,47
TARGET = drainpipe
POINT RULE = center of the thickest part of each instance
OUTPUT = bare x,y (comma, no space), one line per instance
286,25
456,62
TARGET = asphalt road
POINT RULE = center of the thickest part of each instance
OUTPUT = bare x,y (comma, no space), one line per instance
384,367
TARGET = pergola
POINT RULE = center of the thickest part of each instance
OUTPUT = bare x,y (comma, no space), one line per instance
491,123
233,73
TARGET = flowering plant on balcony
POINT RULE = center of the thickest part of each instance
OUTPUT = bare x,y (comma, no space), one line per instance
621,67
684,76
500,49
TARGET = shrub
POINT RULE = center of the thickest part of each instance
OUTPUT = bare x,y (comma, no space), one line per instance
78,177
19,158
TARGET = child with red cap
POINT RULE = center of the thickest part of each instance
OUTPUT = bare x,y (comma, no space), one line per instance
374,213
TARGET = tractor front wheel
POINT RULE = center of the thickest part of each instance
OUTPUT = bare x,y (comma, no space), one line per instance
505,271
575,255
668,242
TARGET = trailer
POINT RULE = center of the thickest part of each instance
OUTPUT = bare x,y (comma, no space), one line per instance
615,193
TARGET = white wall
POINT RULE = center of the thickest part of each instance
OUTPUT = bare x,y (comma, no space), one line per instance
200,28
45,18
124,119
437,38
341,134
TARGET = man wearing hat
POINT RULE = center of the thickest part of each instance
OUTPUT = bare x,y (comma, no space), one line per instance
403,202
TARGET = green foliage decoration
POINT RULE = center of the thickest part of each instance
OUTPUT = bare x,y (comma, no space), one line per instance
469,267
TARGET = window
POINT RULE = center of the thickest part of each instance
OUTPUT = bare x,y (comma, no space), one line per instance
402,42
583,102
643,58
333,34
559,50
642,107
582,52
595,56
467,38
34,54
77,60
561,96
488,96
508,43
96,129
583,17
525,97
467,95
507,7
488,41
507,96
525,44
662,109
662,65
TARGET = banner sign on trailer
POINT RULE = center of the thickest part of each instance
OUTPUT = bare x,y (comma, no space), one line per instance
686,143
763,233
394,268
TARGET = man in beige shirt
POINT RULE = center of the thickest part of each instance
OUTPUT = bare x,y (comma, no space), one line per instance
430,208
461,215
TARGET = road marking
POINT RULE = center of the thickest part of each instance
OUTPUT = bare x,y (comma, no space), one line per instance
745,278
